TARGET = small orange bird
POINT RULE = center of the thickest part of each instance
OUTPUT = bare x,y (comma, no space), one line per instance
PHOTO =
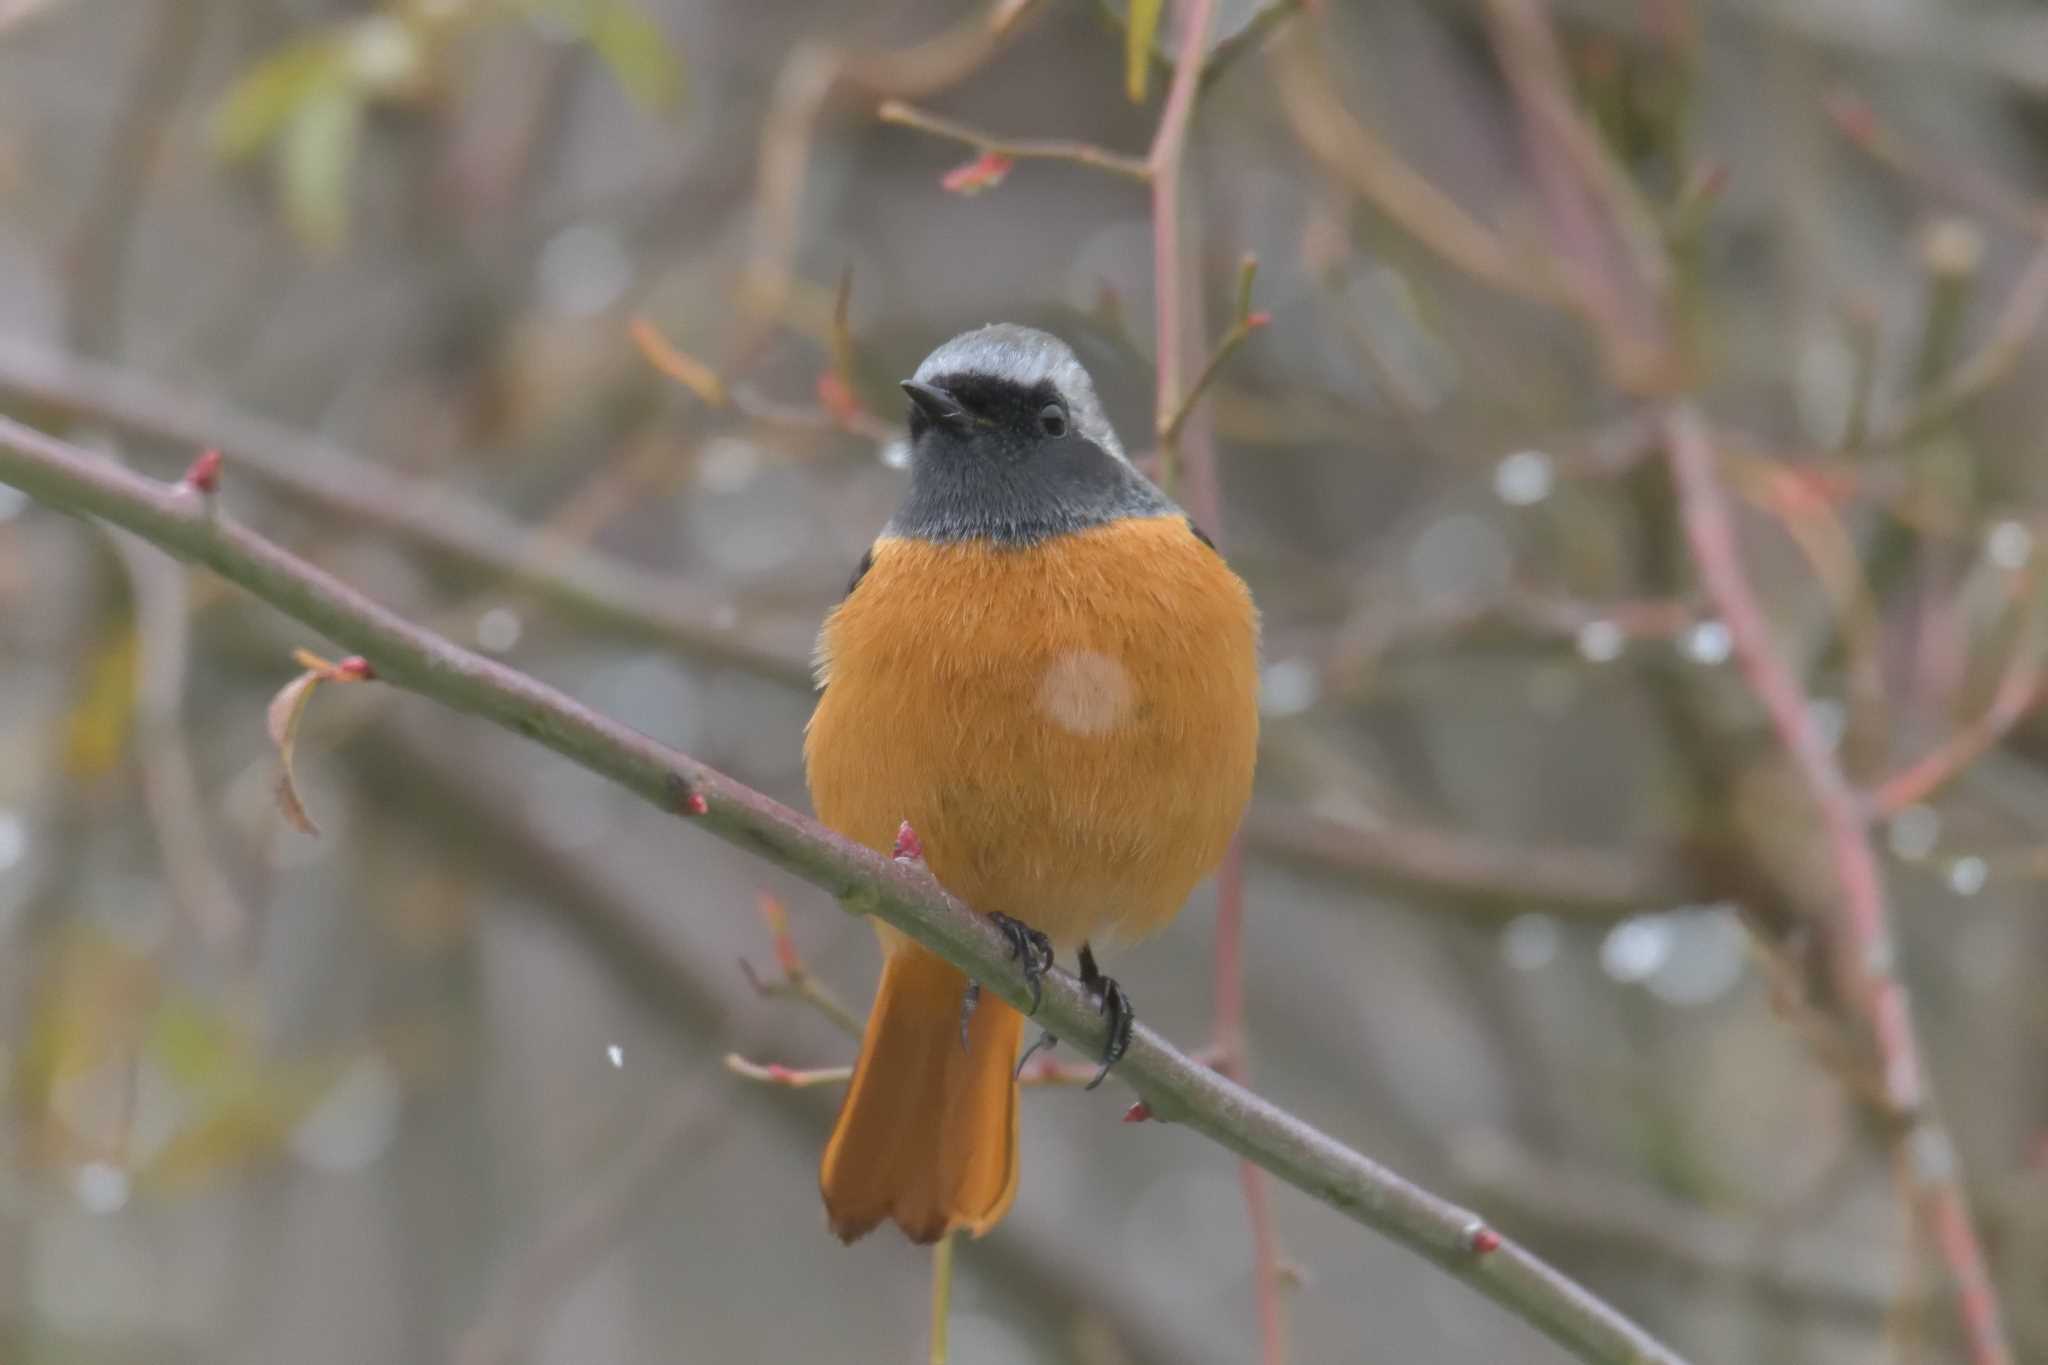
1049,672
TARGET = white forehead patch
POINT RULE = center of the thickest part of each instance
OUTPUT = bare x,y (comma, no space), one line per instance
1086,693
1027,356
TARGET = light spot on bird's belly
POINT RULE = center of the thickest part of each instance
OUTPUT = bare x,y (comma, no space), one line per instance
1086,693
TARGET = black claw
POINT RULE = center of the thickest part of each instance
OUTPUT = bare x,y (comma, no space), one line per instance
1115,1003
1046,1043
1031,950
969,998
1122,1019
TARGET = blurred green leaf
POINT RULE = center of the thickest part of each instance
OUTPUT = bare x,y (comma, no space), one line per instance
633,45
627,39
257,108
316,158
198,1047
1140,30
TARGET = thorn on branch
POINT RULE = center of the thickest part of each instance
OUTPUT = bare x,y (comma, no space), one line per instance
1243,323
682,798
203,475
909,848
1137,1113
1481,1240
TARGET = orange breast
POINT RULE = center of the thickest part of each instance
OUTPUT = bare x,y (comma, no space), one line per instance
1071,727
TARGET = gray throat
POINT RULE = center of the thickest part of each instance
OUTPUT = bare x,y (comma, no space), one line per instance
1020,497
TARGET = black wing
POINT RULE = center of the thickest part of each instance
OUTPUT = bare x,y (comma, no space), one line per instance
867,561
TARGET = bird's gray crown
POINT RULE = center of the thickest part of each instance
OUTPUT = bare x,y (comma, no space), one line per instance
984,466
1026,357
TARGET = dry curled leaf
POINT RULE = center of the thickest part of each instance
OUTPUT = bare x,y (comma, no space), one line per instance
282,720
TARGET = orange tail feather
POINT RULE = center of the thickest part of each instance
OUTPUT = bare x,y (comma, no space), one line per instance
927,1135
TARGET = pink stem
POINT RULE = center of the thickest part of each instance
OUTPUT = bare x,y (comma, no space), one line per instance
1204,499
1868,964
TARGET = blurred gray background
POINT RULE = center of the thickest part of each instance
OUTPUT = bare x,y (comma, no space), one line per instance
446,1082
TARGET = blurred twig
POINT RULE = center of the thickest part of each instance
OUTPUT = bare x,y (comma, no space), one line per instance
170,790
1174,408
811,75
98,254
797,980
355,491
1869,960
1023,149
1499,876
1376,173
1173,1086
2018,691
566,1247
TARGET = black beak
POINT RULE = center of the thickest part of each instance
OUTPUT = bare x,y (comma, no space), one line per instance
936,404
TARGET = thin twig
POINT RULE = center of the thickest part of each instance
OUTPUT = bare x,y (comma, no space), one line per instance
1169,148
170,785
1376,173
566,1247
98,255
1868,967
1497,875
793,1078
1022,149
2020,319
811,75
801,986
1984,368
1041,1074
2019,688
1172,410
359,492
1174,1086
1242,325
942,1295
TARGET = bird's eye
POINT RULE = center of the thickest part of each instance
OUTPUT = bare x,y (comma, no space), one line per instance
1052,420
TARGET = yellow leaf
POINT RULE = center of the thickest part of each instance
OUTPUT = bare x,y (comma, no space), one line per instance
1138,36
258,105
637,51
316,157
96,730
85,1013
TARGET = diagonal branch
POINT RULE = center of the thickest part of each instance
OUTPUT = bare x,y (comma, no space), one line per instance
1173,1085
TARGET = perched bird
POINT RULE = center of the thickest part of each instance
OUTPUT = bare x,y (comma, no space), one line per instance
1046,668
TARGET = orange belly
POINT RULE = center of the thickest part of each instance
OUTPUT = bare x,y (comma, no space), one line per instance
1070,727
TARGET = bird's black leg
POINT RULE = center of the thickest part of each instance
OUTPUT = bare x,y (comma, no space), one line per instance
1031,950
1113,1002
